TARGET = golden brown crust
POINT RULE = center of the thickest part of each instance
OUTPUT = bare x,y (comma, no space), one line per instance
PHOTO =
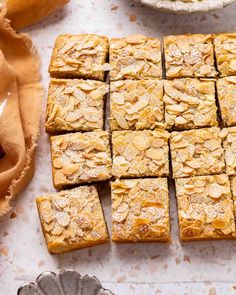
140,153
79,56
136,105
189,104
197,152
140,210
72,219
205,208
189,56
75,105
80,158
225,51
227,99
135,57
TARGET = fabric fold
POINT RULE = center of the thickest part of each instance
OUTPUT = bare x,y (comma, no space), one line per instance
20,106
24,13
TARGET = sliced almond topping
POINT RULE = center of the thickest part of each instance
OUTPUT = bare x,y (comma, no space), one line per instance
141,143
215,190
155,154
62,218
220,223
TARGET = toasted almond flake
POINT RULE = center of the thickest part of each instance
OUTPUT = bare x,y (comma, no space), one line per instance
121,121
130,183
230,157
62,218
220,223
215,190
123,207
212,144
57,163
154,154
232,65
191,231
141,143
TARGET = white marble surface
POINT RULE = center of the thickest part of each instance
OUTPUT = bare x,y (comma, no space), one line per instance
194,268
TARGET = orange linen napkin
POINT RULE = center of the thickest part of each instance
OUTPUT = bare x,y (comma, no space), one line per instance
20,105
23,13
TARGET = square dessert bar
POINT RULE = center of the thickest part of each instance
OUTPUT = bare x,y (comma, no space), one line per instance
233,191
226,91
140,210
140,153
80,158
135,57
72,219
189,56
205,208
189,104
79,56
136,105
229,140
225,51
197,152
75,105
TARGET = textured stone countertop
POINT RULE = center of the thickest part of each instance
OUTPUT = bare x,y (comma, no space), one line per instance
193,268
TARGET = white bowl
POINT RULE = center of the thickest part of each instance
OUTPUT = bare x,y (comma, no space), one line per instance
67,282
178,6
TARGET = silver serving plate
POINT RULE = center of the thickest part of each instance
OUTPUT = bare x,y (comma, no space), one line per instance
67,282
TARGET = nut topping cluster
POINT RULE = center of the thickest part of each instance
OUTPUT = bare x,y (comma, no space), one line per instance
229,139
75,105
197,152
140,210
226,90
225,50
189,56
80,158
135,57
189,104
136,105
72,219
140,153
79,56
205,208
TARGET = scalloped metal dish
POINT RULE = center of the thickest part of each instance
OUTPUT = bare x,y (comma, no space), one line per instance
67,282
184,7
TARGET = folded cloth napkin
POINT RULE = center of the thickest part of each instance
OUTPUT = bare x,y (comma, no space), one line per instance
23,13
20,104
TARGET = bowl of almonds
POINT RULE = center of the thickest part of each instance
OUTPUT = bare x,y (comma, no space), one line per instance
186,6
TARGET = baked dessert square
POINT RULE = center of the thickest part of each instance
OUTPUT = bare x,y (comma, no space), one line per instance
229,141
189,103
226,92
140,153
205,208
136,105
80,158
189,56
72,219
140,210
233,191
75,105
225,51
135,57
79,56
197,152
